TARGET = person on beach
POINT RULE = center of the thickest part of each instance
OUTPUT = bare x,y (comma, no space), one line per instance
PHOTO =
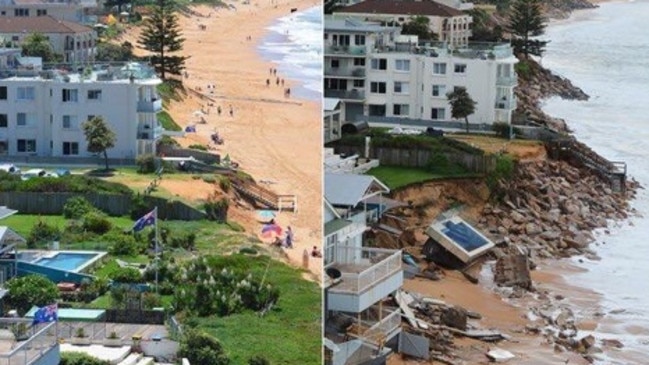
218,110
231,111
277,82
289,237
267,82
315,252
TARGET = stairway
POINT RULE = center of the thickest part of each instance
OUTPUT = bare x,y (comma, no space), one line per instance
257,193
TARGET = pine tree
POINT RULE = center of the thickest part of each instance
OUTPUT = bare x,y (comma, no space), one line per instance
526,20
161,36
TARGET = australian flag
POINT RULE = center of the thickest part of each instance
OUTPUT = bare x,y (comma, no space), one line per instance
146,220
46,314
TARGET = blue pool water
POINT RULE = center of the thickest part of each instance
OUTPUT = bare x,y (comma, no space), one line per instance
464,235
66,261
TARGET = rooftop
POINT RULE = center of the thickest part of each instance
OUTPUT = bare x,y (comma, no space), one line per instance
408,7
349,190
332,23
40,24
99,72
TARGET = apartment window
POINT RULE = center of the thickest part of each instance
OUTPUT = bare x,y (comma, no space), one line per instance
439,68
70,95
377,87
335,84
25,93
69,122
90,117
4,121
438,114
379,64
377,110
335,63
401,87
21,119
359,83
26,145
359,40
41,12
400,109
341,40
359,62
460,68
15,38
402,65
439,90
21,12
70,148
3,93
94,94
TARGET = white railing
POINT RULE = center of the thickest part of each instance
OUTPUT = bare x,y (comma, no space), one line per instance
506,81
384,327
33,348
389,263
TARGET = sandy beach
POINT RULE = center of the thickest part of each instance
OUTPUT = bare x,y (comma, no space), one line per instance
275,139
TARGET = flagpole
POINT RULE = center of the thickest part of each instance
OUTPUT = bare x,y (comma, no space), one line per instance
157,258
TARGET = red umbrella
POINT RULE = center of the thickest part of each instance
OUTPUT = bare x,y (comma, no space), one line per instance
271,229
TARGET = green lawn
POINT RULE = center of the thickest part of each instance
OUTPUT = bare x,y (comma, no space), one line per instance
168,122
396,176
289,334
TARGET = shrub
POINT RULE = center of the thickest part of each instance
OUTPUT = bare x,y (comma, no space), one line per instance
225,184
209,179
139,207
438,163
503,170
199,147
123,244
76,207
151,300
146,164
96,222
127,275
523,69
258,360
502,130
42,233
79,358
26,291
201,348
217,209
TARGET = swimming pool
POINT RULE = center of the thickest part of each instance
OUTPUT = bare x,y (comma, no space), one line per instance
73,261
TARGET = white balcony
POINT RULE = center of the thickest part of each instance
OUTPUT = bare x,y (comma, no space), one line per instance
345,50
149,133
149,106
367,276
507,105
346,72
506,81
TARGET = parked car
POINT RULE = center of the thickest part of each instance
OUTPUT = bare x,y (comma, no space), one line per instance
10,168
430,131
33,173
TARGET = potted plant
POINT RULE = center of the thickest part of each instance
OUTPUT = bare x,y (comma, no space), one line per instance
80,337
113,340
20,331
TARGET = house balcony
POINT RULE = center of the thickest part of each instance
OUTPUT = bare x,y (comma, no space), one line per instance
379,329
149,133
345,50
367,276
352,73
506,81
36,345
149,106
353,94
506,104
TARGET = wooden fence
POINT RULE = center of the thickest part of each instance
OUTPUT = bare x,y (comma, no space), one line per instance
112,204
420,158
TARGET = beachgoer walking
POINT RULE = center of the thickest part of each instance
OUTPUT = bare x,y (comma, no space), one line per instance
289,237
277,81
274,71
231,111
218,110
267,82
271,70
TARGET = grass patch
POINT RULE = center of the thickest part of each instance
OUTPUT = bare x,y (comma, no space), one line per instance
168,122
397,176
292,326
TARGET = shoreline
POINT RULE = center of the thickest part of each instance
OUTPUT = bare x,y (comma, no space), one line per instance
266,127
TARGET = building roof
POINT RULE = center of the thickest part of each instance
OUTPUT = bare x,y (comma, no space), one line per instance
331,104
6,212
7,235
349,190
40,24
410,7
332,23
335,226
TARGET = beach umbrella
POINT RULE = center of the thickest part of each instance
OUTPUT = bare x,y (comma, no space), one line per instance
265,215
199,113
269,230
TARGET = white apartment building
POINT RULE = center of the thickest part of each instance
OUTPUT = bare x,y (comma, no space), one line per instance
76,42
384,76
359,279
451,25
78,11
41,112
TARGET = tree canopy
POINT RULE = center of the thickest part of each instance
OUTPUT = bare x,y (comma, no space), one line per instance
462,105
112,52
419,26
31,290
161,36
99,137
526,20
37,45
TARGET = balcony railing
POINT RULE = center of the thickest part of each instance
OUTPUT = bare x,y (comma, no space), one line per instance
363,267
345,50
345,72
42,338
150,133
345,94
381,329
152,106
506,81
